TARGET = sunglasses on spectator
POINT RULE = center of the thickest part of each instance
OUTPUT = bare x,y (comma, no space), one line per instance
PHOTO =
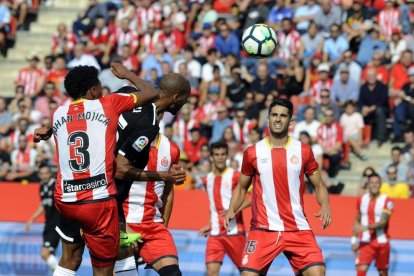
324,96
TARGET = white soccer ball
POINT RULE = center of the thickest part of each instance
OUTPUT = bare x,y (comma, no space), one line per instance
259,41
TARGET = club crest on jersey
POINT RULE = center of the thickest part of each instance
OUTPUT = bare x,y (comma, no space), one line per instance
164,162
140,143
294,160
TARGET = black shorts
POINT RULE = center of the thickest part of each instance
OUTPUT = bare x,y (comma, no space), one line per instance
50,238
69,231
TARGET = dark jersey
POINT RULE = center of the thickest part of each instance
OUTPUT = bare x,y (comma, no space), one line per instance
46,196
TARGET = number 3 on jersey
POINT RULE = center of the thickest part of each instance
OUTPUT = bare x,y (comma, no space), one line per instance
78,143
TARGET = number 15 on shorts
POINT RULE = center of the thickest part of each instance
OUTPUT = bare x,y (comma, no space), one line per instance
250,246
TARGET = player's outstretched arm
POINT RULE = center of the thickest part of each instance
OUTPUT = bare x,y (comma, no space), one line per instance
35,215
147,93
126,171
237,198
322,197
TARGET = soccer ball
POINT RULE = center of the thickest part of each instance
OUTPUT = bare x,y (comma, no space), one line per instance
259,41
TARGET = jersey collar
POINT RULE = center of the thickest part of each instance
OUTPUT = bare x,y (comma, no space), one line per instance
271,147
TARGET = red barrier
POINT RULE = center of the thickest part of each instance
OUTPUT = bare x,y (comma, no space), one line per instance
18,202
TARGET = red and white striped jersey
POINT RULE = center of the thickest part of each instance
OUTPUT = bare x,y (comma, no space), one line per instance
182,129
121,38
219,189
278,184
144,201
289,44
388,20
149,41
242,133
371,210
153,14
174,40
207,42
98,37
317,87
29,79
85,135
131,63
328,136
68,41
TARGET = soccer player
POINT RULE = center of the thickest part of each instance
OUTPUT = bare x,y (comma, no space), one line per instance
371,224
137,129
277,166
219,184
85,139
50,236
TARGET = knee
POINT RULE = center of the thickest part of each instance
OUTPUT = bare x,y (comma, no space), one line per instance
71,262
212,272
170,270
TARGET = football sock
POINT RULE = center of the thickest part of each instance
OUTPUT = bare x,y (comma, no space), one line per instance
126,267
60,271
52,262
170,270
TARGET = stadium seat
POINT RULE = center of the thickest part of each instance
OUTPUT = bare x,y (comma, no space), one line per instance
366,135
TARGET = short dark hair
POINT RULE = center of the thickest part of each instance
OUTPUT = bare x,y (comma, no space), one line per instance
350,102
80,79
397,148
219,145
211,51
282,102
44,165
127,90
374,174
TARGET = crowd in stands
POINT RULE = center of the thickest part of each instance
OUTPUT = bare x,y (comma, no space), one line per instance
347,66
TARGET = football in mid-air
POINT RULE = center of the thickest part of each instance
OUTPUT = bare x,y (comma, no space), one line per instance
259,41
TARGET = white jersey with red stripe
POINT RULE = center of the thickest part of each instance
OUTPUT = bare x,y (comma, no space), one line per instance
371,210
219,189
85,135
242,133
278,184
144,201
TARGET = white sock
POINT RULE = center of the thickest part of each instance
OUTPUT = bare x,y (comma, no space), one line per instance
52,262
126,267
60,271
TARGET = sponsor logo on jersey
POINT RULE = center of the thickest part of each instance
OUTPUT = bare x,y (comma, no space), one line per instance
90,183
140,143
164,162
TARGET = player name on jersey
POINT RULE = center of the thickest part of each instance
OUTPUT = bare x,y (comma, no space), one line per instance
90,115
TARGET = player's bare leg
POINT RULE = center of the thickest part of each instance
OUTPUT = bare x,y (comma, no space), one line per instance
249,273
213,269
103,271
71,258
167,266
317,270
362,270
383,272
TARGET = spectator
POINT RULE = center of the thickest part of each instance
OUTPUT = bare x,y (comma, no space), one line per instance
250,106
193,66
109,80
304,14
399,72
19,91
227,42
278,13
220,124
206,42
289,43
63,41
82,58
373,103
215,86
241,126
326,103
129,60
43,102
147,13
22,127
6,119
362,188
228,135
407,94
187,165
311,75
264,112
207,69
48,64
58,73
311,43
397,46
389,18
324,82
148,41
20,9
291,82
31,77
411,167
192,147
327,16
407,17
330,137
98,39
25,111
355,69
334,46
344,89
263,84
154,61
123,35
127,10
352,124
4,159
377,64
354,25
5,18
255,135
23,162
392,187
86,19
309,125
370,44
397,161
408,143
257,12
178,17
409,37
237,89
172,38
183,125
183,70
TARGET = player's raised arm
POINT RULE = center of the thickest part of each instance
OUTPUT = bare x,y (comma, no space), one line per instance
146,92
322,197
237,198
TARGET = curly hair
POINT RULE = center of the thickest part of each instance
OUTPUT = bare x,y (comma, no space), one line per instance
80,79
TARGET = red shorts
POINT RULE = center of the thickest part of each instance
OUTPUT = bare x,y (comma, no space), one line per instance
380,252
299,247
158,242
217,246
99,224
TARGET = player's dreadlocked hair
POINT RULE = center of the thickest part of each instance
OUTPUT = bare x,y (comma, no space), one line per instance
80,79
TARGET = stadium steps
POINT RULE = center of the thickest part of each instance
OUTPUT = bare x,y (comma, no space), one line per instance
376,158
38,39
